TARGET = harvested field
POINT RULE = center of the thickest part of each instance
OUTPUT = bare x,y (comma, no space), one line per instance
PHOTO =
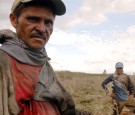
87,91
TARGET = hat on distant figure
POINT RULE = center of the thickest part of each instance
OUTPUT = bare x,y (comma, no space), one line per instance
119,65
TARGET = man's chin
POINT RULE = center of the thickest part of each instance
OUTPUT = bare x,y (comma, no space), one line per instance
36,46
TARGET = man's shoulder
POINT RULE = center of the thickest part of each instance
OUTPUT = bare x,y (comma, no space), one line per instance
3,53
126,75
3,58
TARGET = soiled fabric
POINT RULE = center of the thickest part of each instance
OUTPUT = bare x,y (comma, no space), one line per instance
25,78
8,104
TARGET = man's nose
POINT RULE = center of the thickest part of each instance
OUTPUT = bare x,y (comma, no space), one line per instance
41,27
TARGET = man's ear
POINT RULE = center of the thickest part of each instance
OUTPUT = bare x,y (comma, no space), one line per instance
13,20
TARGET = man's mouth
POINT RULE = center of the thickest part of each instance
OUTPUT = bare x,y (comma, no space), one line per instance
39,37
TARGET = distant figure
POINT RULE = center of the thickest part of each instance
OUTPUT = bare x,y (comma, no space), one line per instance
123,88
104,72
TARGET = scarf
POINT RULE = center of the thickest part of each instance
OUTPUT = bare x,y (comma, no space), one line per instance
16,48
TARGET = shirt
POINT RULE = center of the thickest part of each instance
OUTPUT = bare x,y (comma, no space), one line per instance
25,78
122,85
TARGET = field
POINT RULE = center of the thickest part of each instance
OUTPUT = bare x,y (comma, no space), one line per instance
87,92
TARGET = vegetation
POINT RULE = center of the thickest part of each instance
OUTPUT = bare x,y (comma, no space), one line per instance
87,91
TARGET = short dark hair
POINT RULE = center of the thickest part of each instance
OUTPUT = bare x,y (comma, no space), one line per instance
18,10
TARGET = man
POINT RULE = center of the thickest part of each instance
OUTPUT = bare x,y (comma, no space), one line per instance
123,88
28,85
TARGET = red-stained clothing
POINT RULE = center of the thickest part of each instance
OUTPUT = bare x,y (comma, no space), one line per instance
25,78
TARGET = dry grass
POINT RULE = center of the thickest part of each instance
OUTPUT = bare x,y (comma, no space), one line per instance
87,92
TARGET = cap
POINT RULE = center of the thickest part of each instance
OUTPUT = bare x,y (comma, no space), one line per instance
119,64
59,7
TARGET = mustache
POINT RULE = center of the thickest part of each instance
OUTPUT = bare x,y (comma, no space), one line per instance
38,34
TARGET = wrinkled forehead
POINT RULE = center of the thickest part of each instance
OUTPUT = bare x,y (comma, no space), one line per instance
36,12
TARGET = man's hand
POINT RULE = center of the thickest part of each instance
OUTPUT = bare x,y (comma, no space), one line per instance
113,95
130,97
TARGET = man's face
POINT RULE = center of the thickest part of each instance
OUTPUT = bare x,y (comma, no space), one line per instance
34,26
119,70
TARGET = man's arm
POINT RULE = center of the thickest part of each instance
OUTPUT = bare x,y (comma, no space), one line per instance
131,89
105,82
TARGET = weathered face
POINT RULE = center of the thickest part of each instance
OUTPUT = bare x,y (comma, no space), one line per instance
119,70
34,26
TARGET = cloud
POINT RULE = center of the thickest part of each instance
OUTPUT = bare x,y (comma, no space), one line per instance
94,12
94,53
6,24
90,12
131,30
63,38
5,7
123,6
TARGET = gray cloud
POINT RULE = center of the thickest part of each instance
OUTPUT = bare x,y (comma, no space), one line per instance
95,12
5,7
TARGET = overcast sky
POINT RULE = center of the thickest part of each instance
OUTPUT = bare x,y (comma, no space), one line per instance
92,36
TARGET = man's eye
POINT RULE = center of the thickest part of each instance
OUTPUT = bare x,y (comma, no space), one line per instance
33,19
48,22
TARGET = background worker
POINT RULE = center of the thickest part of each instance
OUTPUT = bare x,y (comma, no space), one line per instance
122,89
